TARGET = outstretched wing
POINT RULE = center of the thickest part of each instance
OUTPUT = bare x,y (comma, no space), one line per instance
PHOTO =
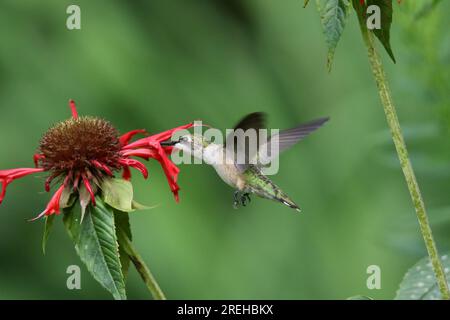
286,139
256,121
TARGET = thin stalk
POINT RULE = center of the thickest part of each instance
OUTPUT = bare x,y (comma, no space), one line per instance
142,268
402,152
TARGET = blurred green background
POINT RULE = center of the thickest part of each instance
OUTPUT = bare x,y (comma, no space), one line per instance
160,64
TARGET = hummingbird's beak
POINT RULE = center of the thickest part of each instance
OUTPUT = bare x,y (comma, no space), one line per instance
168,143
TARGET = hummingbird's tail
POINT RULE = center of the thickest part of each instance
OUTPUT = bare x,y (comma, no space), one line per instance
288,202
261,185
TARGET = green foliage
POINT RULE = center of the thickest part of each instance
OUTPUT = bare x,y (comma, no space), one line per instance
47,227
384,34
118,193
122,221
419,282
333,16
96,244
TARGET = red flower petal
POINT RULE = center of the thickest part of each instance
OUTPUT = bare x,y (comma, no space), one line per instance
135,164
88,187
102,166
53,205
126,173
8,176
36,159
142,153
125,138
73,107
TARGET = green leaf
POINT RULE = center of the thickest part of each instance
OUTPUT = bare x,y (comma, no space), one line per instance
48,226
383,34
118,193
122,221
305,3
138,206
96,244
360,13
420,283
333,16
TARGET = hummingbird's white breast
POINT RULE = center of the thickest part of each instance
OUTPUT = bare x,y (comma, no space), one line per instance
215,155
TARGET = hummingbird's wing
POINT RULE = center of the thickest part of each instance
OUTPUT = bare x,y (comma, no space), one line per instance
235,146
286,139
255,120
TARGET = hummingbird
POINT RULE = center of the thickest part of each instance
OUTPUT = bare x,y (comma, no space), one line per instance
247,178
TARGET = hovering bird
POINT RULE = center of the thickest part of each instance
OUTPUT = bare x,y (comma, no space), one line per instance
247,177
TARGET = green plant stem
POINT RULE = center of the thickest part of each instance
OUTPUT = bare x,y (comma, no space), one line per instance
402,152
142,268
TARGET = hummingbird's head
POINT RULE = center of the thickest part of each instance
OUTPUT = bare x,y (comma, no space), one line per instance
192,144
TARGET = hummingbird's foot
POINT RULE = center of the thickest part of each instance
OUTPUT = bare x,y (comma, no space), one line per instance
245,198
241,199
236,199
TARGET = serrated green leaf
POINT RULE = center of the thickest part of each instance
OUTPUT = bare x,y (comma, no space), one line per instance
47,227
118,193
383,34
122,221
420,283
96,244
333,16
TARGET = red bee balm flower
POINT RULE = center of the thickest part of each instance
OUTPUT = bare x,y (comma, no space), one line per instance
81,151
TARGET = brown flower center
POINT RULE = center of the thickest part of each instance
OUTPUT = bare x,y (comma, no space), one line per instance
73,145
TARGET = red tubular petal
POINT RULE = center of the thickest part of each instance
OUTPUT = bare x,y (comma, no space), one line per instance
135,164
102,166
88,186
8,176
36,159
171,171
76,181
47,183
126,173
73,108
53,205
125,138
145,142
150,147
142,153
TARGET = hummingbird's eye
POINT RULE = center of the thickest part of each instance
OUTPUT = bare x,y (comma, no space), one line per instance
185,139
